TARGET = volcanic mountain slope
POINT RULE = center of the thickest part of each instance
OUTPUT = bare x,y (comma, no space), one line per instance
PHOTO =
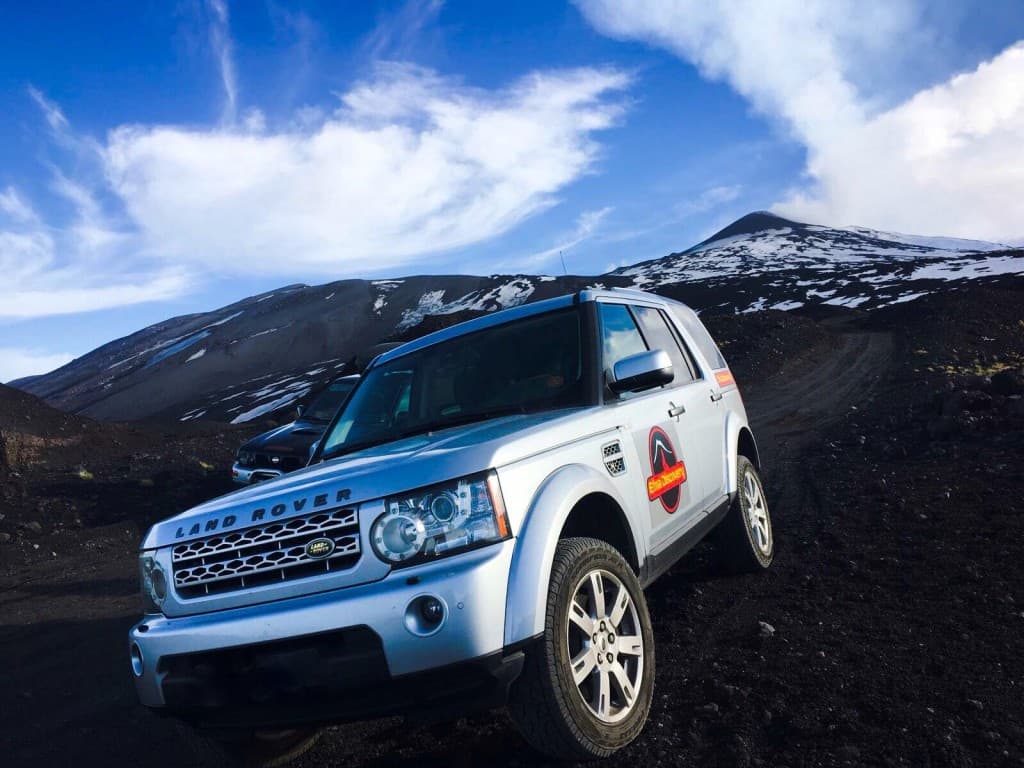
248,360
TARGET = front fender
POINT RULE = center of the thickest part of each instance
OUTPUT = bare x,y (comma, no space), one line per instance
535,545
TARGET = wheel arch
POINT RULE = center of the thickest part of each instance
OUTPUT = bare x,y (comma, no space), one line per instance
574,500
740,442
598,516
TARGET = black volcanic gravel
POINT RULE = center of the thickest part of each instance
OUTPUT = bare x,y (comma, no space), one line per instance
888,631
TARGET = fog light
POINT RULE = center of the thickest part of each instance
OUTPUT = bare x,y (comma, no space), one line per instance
431,610
425,615
137,660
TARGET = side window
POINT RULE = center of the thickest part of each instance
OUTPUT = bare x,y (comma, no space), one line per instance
660,336
687,318
619,335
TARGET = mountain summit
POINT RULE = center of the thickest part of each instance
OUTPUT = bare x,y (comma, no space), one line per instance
752,223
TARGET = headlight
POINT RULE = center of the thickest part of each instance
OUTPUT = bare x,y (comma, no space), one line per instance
440,520
154,585
244,458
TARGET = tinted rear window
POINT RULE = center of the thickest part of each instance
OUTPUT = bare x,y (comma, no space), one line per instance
688,319
659,336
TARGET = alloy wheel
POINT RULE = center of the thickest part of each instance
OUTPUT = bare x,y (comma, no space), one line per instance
605,646
757,513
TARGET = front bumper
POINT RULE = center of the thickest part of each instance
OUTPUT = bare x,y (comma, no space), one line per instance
374,640
248,475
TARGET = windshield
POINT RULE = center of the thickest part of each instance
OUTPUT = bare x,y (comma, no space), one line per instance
327,402
523,366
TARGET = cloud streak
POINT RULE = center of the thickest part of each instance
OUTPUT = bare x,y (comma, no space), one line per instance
945,161
81,264
223,49
398,34
587,225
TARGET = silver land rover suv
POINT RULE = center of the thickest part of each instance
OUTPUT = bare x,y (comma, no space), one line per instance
475,529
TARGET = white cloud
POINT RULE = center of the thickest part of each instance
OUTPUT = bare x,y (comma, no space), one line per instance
409,164
16,363
946,161
406,164
70,292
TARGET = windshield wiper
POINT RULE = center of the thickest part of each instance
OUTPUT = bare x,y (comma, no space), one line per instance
343,449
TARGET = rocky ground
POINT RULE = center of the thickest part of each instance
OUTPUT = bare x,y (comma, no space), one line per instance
886,633
62,474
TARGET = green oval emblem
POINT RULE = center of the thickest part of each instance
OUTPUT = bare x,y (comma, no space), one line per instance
320,548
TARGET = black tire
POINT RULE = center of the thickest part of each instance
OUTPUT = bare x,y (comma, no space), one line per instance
545,702
262,749
736,537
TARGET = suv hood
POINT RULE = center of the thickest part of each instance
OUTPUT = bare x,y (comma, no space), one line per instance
296,437
380,471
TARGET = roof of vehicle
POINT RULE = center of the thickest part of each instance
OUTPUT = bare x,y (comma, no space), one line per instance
517,313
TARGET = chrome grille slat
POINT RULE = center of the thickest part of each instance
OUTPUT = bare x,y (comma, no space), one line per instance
276,550
264,534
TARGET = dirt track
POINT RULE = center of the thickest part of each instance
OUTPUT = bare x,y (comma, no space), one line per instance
817,690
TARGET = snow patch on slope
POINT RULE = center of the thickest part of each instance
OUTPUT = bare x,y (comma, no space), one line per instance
273,405
509,294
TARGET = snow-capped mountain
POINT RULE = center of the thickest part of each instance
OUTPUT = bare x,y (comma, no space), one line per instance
247,360
763,261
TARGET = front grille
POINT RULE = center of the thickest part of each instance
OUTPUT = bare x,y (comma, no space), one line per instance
284,462
265,554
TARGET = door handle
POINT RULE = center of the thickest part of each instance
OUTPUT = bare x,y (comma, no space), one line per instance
676,410
715,396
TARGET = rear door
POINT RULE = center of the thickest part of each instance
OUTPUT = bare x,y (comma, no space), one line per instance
666,481
718,386
699,419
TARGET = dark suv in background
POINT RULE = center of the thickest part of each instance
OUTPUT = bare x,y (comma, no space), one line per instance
287,448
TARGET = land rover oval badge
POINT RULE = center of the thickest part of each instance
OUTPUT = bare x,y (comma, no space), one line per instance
318,549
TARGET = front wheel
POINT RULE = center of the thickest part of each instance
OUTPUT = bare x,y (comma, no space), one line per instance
587,684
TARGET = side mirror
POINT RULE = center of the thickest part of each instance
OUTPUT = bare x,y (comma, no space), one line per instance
644,370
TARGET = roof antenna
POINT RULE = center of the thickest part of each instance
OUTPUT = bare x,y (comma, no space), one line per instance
564,270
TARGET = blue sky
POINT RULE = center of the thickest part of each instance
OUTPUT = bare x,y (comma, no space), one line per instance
159,159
